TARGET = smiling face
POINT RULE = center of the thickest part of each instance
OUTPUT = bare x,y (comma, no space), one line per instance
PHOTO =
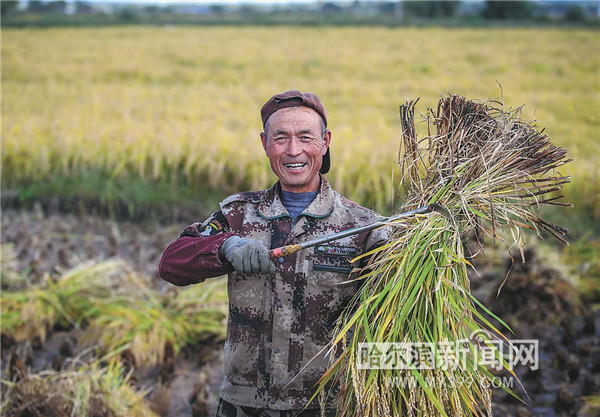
295,141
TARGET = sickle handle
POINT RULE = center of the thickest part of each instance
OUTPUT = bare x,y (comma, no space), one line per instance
284,250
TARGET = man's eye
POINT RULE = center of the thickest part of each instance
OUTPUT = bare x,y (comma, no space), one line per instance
306,139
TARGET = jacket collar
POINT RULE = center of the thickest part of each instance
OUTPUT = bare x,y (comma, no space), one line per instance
271,207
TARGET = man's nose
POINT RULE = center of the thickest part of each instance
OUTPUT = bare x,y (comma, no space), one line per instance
293,147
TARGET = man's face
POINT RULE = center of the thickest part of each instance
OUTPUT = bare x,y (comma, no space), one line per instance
295,144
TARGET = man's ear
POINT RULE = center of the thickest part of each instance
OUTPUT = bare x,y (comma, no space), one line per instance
327,140
263,139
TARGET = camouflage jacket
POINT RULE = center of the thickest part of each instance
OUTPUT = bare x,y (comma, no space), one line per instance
278,324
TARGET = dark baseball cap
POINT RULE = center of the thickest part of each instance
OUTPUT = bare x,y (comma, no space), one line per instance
295,98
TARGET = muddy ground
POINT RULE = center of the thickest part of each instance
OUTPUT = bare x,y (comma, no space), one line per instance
536,301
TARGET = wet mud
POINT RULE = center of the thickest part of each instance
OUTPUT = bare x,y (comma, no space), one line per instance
536,302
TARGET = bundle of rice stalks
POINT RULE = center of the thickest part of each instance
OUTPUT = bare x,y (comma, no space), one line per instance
66,302
143,324
148,323
116,307
90,389
413,341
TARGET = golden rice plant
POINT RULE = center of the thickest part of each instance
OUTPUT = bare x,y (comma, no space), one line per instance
115,307
69,301
155,106
10,277
101,387
483,169
591,407
147,323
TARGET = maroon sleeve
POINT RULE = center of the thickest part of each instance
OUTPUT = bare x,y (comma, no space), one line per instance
190,260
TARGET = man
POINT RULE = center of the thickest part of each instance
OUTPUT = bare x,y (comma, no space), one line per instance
282,312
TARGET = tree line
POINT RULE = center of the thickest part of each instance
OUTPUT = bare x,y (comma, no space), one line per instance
387,11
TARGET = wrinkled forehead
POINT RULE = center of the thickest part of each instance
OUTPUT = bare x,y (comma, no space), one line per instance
294,119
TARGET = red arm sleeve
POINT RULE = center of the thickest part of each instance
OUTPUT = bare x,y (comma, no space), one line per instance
190,260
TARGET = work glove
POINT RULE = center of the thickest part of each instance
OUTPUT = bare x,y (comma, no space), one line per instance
248,256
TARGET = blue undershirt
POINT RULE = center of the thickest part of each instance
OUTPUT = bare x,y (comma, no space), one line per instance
296,203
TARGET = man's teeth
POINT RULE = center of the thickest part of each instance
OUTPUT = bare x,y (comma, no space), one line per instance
295,166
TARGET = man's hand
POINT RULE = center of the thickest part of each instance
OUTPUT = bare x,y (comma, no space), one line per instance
248,256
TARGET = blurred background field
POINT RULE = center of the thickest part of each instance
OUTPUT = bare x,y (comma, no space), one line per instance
132,118
114,137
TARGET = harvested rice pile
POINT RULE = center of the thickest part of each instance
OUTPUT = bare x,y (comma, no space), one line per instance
100,388
413,342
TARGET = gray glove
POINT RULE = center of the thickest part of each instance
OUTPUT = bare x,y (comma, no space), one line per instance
248,256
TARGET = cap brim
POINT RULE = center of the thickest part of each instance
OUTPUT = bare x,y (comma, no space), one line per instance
326,163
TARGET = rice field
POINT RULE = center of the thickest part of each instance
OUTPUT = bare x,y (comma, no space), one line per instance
180,106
